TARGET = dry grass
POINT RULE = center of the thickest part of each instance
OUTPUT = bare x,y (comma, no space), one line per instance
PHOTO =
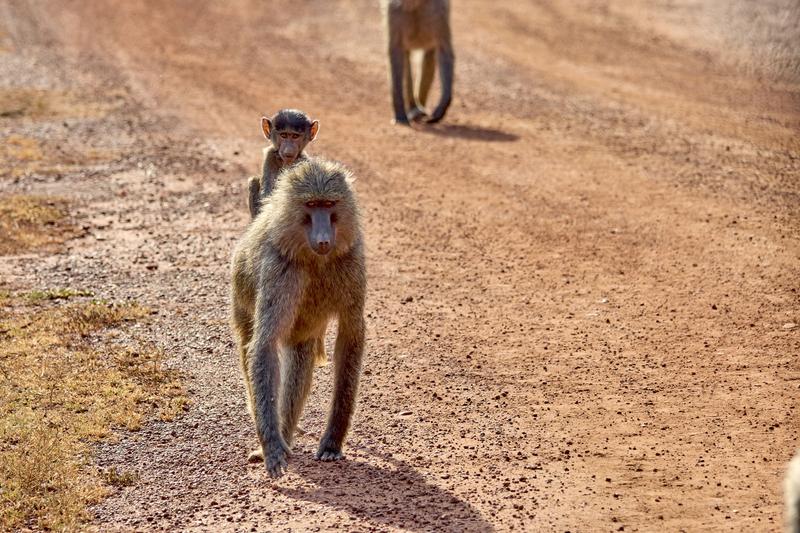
29,223
22,155
56,294
21,102
16,103
21,148
63,384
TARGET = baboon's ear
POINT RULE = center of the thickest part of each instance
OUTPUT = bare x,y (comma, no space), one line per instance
266,126
314,130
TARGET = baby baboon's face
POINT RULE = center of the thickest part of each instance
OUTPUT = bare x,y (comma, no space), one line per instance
290,144
289,131
320,225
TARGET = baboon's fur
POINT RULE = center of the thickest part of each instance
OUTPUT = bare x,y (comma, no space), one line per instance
284,294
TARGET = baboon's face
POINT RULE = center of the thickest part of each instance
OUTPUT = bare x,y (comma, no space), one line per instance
289,132
290,143
320,225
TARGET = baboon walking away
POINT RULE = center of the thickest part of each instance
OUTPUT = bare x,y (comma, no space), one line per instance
419,25
288,131
300,264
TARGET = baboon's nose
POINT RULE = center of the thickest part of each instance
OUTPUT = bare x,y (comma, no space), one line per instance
323,247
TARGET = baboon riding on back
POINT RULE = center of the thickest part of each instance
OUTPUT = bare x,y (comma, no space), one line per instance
300,264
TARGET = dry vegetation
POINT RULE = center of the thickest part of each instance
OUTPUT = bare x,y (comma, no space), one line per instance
17,102
63,384
29,151
69,375
33,223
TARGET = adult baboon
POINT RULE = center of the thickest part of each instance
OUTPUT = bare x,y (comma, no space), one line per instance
793,495
299,264
419,25
289,131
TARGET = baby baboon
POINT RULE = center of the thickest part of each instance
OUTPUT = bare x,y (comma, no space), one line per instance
793,495
289,131
299,264
419,25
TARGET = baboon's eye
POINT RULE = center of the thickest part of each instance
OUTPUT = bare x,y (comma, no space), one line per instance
328,203
295,135
312,204
284,135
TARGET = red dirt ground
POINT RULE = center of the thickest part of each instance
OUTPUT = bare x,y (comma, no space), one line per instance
583,283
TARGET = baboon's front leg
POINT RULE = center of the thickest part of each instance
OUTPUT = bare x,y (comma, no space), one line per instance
347,369
265,377
275,309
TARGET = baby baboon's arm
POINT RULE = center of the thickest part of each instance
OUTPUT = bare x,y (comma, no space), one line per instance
254,195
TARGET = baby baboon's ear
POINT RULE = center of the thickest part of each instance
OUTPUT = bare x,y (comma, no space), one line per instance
266,126
314,130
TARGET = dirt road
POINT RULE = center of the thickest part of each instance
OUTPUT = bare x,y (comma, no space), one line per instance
583,284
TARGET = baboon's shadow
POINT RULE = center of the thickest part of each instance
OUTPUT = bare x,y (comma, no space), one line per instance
472,133
393,494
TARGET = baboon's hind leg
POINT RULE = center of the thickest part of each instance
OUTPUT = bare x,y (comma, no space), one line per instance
298,370
397,59
415,112
244,329
426,76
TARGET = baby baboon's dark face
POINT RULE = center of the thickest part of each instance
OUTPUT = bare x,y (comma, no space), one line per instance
320,224
290,143
289,131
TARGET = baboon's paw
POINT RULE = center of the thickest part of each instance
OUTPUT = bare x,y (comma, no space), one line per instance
329,452
330,456
256,456
276,462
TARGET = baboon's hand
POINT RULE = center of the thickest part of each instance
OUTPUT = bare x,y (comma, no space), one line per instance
276,456
329,451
